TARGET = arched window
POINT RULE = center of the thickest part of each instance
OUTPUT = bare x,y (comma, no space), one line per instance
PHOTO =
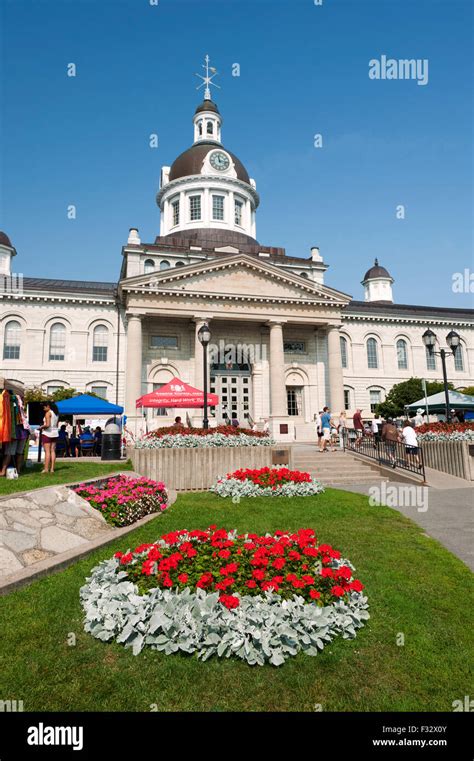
402,354
100,343
459,359
149,265
164,265
200,126
179,264
303,274
210,128
57,342
343,342
12,340
372,356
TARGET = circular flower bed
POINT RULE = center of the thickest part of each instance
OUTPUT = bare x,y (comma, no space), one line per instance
123,500
267,482
221,436
445,432
217,592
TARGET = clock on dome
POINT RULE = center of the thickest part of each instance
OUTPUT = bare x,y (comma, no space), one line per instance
219,161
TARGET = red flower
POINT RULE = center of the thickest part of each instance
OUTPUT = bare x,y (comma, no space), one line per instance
337,591
224,553
279,563
314,594
183,577
258,574
230,601
327,573
356,585
126,558
250,584
205,580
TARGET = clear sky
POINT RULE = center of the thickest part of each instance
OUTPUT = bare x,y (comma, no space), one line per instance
304,71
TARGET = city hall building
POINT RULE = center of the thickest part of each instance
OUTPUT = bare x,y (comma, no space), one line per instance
284,344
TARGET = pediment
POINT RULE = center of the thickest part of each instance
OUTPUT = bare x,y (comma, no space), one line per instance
240,277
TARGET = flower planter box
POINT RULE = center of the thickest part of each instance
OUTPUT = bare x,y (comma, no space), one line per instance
196,469
453,457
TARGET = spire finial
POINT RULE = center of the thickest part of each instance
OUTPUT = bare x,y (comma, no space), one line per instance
207,80
376,262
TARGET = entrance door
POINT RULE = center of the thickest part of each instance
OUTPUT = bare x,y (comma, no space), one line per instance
233,385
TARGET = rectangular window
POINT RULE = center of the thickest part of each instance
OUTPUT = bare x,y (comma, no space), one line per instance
163,342
347,399
175,208
238,212
99,354
375,399
100,391
218,208
194,208
294,397
159,411
11,352
343,343
294,347
430,360
458,360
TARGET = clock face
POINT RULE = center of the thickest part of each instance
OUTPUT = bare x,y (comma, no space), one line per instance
219,161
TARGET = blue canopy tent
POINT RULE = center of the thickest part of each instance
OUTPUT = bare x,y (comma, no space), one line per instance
84,404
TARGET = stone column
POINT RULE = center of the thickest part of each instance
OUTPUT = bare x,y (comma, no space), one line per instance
336,382
133,370
278,403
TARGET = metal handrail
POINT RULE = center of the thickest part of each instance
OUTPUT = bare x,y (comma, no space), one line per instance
392,454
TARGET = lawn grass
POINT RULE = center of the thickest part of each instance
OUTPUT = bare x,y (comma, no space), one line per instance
416,589
66,471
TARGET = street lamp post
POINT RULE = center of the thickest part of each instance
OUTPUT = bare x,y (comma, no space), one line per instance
453,340
204,335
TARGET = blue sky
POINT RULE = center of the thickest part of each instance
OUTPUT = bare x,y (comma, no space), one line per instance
304,70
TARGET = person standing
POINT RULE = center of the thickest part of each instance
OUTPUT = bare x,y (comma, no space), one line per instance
358,426
326,428
342,428
319,430
376,427
49,436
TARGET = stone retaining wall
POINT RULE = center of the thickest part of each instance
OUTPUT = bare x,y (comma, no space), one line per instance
198,468
450,457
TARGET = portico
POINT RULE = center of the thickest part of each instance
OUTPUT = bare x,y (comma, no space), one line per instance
284,328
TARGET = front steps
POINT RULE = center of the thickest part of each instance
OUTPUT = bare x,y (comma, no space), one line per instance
337,468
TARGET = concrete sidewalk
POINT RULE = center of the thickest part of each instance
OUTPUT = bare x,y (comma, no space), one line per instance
449,516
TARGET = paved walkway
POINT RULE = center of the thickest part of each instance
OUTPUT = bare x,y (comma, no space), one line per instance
447,514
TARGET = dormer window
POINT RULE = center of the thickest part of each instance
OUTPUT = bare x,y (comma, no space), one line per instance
149,265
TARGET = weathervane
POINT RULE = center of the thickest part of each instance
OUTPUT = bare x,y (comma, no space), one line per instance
207,80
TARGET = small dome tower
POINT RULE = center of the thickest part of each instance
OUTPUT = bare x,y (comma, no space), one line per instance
377,283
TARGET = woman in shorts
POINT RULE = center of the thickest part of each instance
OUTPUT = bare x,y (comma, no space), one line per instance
49,436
